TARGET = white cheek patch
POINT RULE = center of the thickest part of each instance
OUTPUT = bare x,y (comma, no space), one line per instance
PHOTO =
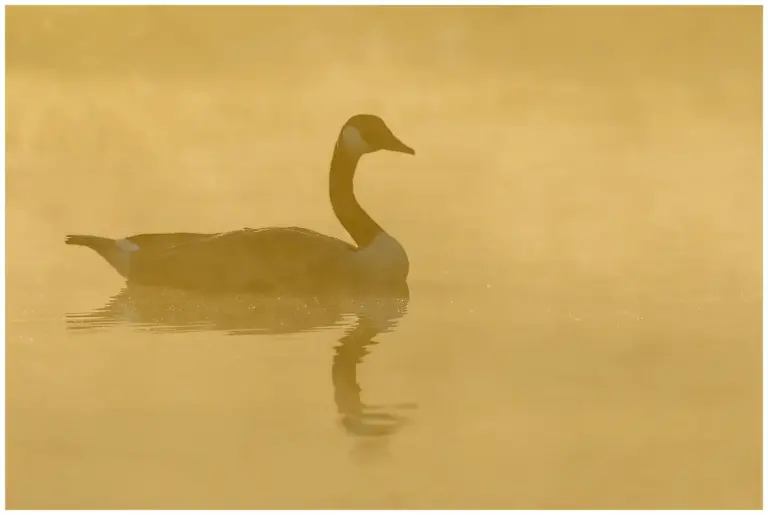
127,245
353,141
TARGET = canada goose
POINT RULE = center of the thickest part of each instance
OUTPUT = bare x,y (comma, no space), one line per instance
275,258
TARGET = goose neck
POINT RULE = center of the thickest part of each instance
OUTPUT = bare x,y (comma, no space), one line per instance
360,226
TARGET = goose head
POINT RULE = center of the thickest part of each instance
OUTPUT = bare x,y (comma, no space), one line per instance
366,133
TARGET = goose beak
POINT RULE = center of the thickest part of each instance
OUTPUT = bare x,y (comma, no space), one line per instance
398,146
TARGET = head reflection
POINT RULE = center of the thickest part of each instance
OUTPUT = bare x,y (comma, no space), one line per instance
365,317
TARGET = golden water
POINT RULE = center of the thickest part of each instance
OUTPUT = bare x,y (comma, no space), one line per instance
582,218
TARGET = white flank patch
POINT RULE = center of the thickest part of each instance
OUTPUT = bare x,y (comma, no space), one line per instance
127,245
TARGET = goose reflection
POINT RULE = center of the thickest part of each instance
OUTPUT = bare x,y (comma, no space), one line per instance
365,316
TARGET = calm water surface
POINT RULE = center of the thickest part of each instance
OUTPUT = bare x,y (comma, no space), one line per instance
583,323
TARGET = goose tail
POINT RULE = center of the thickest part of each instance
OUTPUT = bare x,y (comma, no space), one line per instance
96,243
109,249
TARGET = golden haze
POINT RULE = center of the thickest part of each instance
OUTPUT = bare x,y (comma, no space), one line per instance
582,218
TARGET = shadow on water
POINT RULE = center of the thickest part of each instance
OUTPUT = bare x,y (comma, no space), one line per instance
165,310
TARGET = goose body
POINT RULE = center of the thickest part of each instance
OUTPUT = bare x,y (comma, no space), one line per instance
275,259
